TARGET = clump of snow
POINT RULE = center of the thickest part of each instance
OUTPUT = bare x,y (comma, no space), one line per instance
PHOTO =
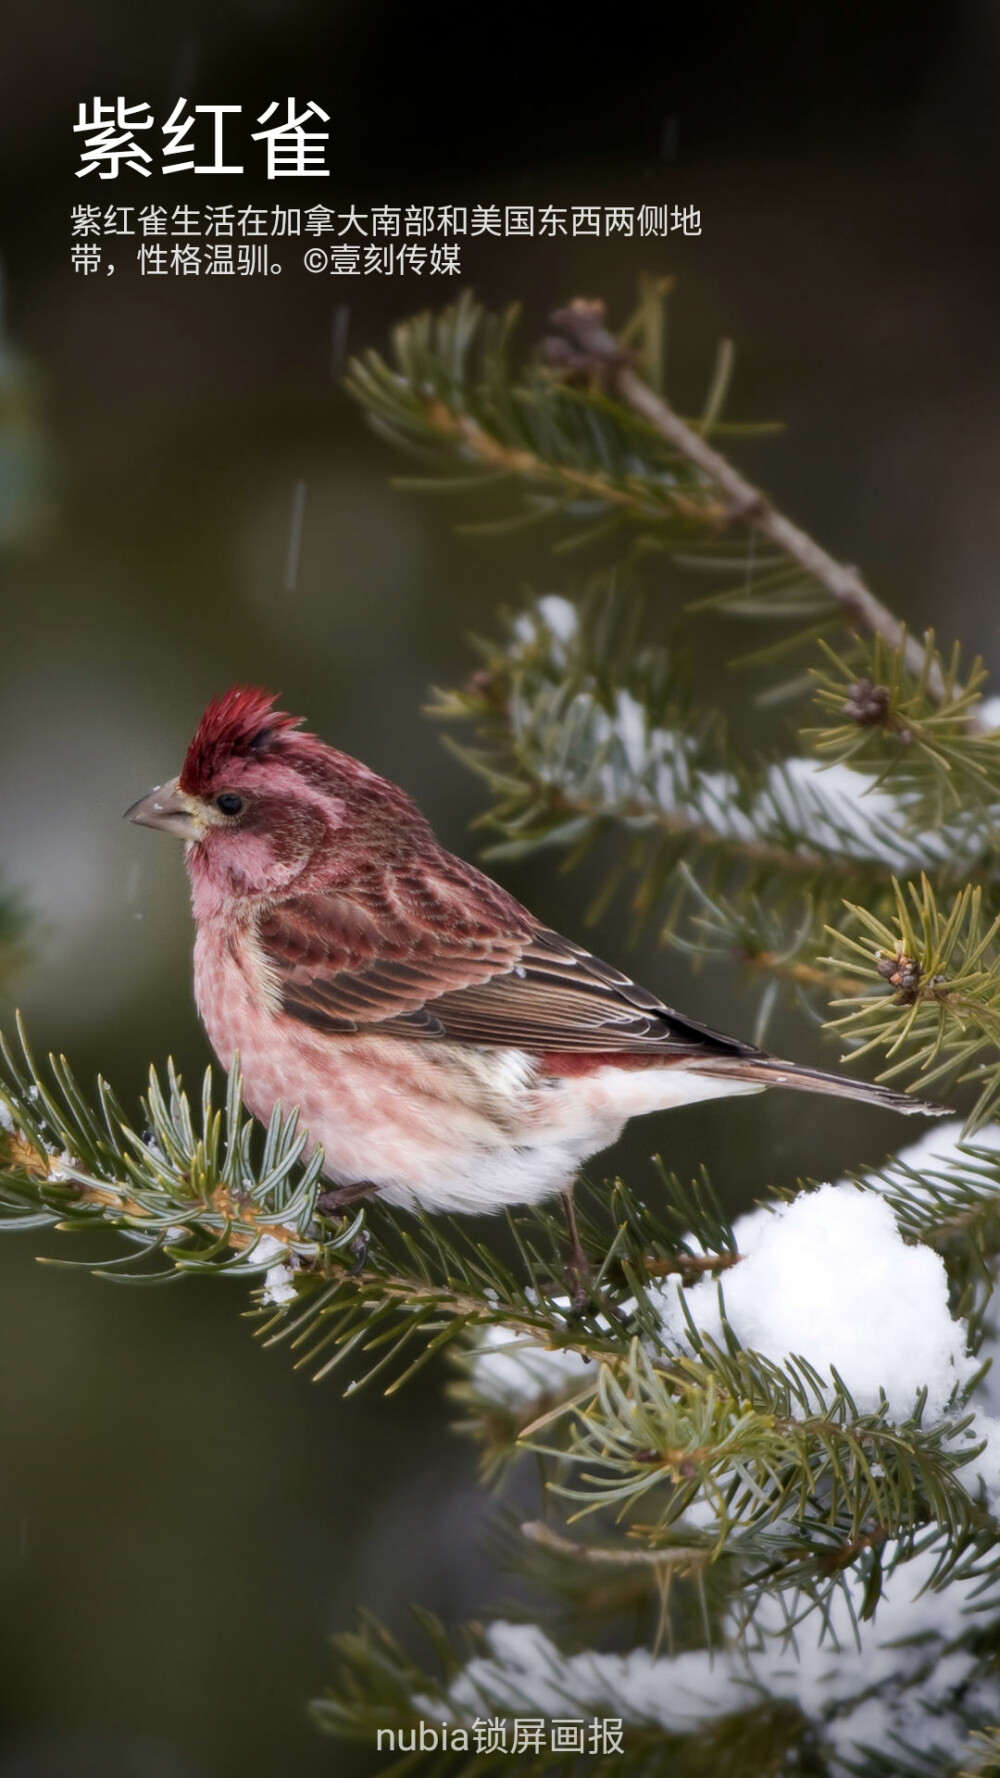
633,729
829,1278
268,1247
64,1167
940,1157
553,622
279,1280
937,1151
989,713
279,1285
509,1370
837,809
620,756
6,1120
153,1147
617,757
603,757
830,1681
560,618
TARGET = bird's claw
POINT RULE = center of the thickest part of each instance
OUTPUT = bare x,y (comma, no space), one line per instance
581,1296
585,1297
580,1283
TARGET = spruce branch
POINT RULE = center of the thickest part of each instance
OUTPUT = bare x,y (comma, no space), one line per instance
379,1686
951,1202
589,439
582,325
934,753
581,729
590,740
770,933
673,1557
189,1193
450,399
584,741
185,1189
197,1189
935,1011
770,1448
712,1716
984,1751
672,1598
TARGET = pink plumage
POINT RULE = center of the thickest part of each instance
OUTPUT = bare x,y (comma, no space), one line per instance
442,1046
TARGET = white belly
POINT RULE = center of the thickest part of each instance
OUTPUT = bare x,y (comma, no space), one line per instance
552,1126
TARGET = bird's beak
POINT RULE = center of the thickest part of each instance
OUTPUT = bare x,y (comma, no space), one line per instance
171,809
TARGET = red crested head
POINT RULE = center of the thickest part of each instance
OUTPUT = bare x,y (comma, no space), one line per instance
262,805
241,724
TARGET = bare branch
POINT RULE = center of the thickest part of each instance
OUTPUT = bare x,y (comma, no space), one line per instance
587,344
673,1556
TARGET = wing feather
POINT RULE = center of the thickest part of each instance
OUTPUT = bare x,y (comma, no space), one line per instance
440,952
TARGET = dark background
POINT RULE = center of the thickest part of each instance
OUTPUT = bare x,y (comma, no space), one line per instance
182,1518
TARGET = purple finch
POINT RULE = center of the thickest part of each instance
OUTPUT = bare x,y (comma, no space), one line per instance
443,1047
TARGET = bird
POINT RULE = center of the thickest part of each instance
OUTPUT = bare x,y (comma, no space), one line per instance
446,1050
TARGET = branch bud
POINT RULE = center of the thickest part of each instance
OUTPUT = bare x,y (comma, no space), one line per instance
903,973
867,704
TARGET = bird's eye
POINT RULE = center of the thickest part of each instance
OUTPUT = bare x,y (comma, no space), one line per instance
229,803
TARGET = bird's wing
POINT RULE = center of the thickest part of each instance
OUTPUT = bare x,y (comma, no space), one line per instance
473,968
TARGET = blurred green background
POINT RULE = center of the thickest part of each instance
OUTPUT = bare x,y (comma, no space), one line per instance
182,1518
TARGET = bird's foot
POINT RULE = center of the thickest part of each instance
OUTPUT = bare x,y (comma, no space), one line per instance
578,1272
585,1296
580,1283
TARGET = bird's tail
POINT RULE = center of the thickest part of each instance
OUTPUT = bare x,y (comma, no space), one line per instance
769,1072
